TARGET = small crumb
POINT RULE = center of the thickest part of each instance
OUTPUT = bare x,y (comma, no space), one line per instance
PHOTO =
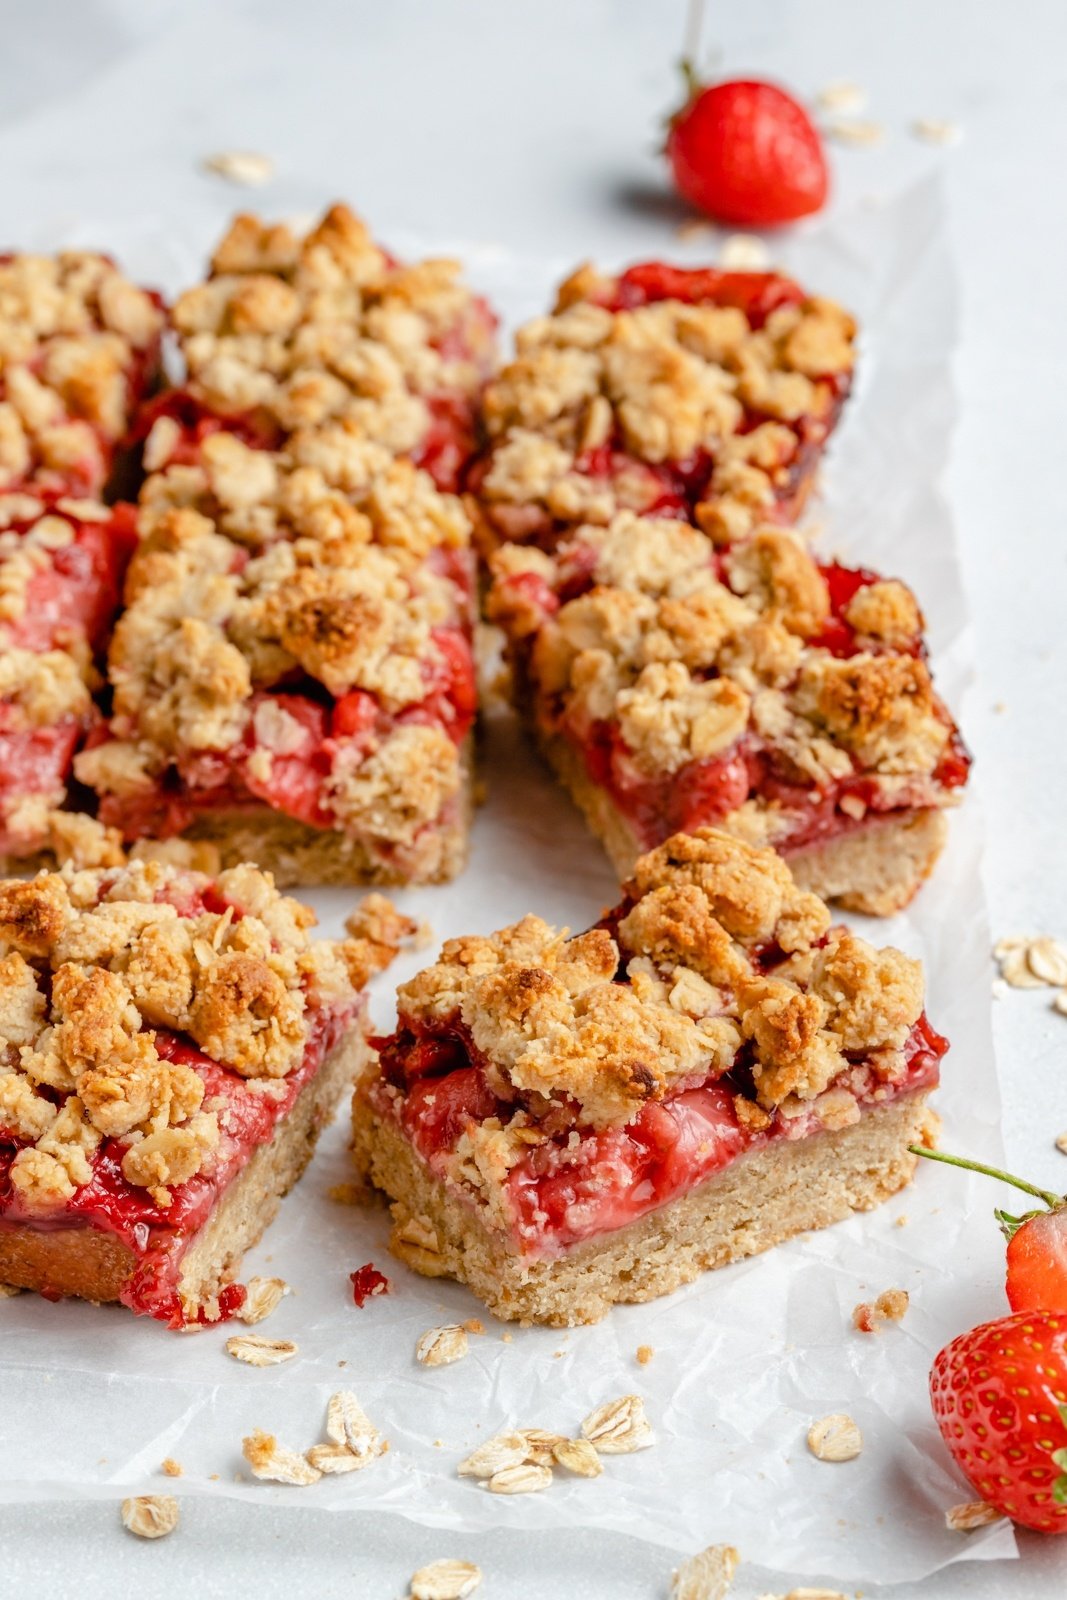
8,1291
474,1325
445,1580
901,1221
889,1307
213,1477
172,1468
937,130
971,1514
707,1575
1061,1143
505,1338
346,1194
859,134
744,252
835,1438
150,1516
1060,1003
644,1355
367,1282
479,791
692,228
1000,706
423,936
245,167
847,98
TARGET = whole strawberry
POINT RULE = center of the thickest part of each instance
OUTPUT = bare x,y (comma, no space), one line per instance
746,152
999,1395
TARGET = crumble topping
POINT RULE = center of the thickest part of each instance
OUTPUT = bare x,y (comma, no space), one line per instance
659,384
254,568
555,1028
326,327
95,960
684,664
72,333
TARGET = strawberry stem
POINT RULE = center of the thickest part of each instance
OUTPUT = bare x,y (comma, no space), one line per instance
1053,1201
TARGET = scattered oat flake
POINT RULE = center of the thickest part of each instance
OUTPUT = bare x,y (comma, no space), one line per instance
971,1514
645,1353
273,1463
150,1516
835,1438
1061,1143
541,1445
744,252
264,1295
937,130
526,1478
245,167
1015,969
816,1594
501,1451
445,1580
367,1282
439,1347
331,1459
1047,959
848,98
1060,1003
855,132
348,1424
619,1426
579,1457
255,1351
707,1575
172,1468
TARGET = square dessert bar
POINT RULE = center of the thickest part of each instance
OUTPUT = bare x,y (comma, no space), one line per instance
79,351
564,1124
287,333
672,683
697,394
62,563
292,676
170,1047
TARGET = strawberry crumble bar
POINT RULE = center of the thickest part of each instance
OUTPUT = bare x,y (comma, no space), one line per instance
61,569
170,1047
672,683
79,351
567,1123
698,394
290,333
292,676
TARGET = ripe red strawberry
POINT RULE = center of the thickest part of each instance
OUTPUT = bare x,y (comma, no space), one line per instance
1037,1241
746,152
999,1396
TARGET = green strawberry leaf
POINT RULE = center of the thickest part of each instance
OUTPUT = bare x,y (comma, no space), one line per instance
1009,1225
1059,1490
1063,1414
1059,1459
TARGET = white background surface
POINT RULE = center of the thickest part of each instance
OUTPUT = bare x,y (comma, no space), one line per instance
532,125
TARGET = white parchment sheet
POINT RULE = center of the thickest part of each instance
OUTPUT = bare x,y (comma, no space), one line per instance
92,1400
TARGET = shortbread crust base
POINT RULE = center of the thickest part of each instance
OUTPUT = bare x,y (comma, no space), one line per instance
877,867
95,1265
759,1201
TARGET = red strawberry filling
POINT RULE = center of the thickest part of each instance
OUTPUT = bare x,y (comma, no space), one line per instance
579,1183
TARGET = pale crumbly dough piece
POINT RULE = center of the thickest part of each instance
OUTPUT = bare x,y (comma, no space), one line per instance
150,1516
120,961
447,1579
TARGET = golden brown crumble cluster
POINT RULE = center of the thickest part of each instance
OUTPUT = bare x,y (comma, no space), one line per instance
658,383
328,327
71,328
684,664
255,565
560,1036
92,961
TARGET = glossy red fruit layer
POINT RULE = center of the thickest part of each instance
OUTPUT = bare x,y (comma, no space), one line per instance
999,1395
746,152
1037,1264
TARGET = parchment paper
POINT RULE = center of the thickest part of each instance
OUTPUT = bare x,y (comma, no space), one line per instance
94,1399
